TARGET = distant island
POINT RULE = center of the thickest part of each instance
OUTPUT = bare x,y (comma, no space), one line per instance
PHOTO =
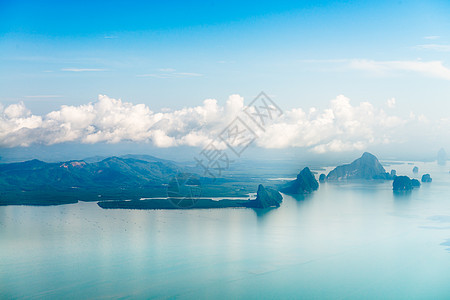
305,183
426,178
366,167
130,177
36,182
404,183
147,182
266,198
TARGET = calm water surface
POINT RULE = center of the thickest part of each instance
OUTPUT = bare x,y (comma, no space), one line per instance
346,241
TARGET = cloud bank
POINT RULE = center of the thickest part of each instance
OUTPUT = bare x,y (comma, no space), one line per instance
340,127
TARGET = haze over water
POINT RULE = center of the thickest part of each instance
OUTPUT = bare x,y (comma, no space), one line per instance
346,241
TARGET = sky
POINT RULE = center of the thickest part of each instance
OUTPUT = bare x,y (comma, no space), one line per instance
349,75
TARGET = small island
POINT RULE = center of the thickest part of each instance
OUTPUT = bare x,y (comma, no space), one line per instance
266,198
322,177
305,183
426,178
366,167
404,183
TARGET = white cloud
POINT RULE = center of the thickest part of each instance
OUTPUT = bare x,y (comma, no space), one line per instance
188,74
167,70
163,76
391,103
323,61
170,73
15,111
431,37
44,96
339,146
339,127
82,70
428,68
435,47
111,120
387,68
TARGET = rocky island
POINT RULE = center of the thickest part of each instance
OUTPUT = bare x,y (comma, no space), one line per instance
415,183
366,167
404,183
426,178
266,198
304,184
322,177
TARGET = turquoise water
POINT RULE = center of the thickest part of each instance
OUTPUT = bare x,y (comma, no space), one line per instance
346,241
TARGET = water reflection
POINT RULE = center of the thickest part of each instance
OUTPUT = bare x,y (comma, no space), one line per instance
262,213
446,243
402,195
301,197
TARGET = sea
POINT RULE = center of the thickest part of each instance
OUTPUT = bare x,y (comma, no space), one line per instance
348,240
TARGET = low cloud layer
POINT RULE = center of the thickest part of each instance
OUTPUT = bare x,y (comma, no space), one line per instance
340,127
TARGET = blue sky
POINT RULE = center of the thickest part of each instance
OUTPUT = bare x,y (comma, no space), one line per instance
175,54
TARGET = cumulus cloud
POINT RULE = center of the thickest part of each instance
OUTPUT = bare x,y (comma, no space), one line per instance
391,103
340,127
111,120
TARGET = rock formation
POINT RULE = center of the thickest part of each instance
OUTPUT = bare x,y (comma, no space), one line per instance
415,183
426,178
304,184
366,167
267,197
322,177
416,169
402,183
